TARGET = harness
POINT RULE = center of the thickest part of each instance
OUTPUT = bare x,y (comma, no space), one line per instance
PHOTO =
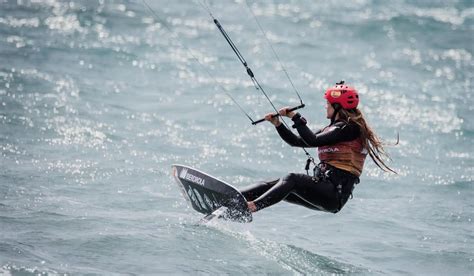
326,172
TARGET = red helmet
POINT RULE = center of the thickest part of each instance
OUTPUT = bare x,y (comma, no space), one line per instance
342,94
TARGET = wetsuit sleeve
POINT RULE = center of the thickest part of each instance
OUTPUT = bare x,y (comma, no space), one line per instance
289,137
338,132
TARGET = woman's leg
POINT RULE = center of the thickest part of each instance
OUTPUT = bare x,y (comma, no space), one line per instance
295,199
303,190
252,192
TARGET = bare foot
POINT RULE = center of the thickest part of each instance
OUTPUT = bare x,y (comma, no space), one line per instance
252,207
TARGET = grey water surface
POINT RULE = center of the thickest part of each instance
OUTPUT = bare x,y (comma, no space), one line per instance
99,98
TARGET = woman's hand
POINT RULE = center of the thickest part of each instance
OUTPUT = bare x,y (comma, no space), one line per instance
284,112
274,120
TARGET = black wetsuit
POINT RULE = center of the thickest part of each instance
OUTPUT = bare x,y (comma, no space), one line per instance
330,187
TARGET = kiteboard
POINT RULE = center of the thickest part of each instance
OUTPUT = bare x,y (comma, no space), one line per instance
211,196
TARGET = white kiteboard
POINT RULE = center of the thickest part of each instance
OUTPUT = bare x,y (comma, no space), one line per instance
211,196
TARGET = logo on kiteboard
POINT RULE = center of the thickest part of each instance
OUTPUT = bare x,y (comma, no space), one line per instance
195,179
183,173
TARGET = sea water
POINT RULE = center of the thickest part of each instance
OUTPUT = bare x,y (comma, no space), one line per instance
99,98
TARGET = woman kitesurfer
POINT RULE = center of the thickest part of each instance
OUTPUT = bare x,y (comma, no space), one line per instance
342,148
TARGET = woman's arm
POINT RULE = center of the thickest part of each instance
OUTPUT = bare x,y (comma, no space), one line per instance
289,137
338,132
286,134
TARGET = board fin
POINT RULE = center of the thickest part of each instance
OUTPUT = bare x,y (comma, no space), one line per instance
218,213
